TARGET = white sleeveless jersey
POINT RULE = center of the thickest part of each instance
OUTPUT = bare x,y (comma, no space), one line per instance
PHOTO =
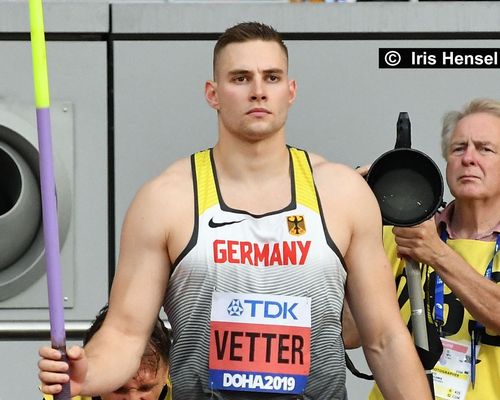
257,293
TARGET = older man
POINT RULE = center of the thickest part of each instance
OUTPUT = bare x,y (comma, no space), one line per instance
460,261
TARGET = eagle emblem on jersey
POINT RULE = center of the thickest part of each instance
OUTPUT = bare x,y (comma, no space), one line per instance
296,225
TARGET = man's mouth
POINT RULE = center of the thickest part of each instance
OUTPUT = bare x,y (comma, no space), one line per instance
258,112
468,177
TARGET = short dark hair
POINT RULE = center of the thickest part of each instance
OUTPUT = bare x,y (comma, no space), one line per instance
159,342
245,32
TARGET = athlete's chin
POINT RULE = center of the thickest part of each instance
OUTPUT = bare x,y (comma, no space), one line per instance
256,135
257,132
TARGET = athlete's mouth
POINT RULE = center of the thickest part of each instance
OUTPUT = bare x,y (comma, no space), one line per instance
258,111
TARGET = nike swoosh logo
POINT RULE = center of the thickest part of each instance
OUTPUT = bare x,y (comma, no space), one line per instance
213,224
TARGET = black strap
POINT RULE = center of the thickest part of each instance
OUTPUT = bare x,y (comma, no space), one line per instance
349,364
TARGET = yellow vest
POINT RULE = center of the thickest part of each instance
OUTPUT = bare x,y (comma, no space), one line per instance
478,254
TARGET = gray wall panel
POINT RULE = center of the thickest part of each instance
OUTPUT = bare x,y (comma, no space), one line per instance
308,17
59,16
160,111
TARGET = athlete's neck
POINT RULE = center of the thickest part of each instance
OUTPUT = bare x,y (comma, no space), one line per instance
252,162
254,178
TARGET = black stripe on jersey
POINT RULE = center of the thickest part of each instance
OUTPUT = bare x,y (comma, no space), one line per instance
328,238
194,237
225,207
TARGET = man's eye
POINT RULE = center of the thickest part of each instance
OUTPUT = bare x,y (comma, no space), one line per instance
240,78
273,78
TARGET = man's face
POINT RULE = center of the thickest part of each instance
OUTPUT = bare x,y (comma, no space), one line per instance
473,162
251,91
147,384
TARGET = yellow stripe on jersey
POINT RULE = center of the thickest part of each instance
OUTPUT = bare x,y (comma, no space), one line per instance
304,183
205,182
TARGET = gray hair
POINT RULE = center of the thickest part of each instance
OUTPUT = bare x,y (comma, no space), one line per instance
452,118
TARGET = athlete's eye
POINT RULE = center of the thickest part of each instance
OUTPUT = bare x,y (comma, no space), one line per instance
240,79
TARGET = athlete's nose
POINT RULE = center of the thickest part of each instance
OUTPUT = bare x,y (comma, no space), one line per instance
258,90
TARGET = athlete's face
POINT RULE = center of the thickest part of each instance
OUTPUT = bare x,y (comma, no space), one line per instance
473,162
251,91
147,384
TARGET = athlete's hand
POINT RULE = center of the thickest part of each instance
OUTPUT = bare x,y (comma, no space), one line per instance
53,372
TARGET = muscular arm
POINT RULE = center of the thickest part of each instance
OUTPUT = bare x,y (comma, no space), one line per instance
114,353
480,296
371,292
148,245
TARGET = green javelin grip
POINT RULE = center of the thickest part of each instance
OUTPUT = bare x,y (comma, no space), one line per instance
48,187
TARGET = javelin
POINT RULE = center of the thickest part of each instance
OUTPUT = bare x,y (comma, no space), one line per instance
48,186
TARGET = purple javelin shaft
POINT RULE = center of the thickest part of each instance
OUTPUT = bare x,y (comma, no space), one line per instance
50,229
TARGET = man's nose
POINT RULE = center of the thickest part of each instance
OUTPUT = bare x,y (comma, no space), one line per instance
469,156
258,90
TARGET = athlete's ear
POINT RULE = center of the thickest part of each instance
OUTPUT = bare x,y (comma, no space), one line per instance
211,94
292,88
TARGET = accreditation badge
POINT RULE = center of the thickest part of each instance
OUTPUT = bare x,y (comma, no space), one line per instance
452,372
260,343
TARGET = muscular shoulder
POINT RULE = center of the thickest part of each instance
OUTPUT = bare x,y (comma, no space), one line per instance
175,181
347,201
166,199
173,185
336,179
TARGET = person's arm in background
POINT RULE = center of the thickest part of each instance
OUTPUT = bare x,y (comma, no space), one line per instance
480,296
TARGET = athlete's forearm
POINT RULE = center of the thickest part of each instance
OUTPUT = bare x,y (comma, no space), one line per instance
109,364
397,368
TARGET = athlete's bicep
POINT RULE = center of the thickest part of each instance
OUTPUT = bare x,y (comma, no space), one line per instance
143,264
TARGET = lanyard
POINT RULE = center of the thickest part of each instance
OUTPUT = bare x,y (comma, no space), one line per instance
439,305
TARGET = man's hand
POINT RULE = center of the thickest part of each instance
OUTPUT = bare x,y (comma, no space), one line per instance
420,242
53,372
